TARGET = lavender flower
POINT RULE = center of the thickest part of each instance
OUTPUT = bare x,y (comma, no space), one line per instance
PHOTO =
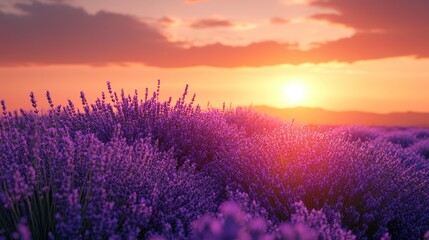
133,168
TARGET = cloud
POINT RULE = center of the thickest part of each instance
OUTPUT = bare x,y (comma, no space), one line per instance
219,55
63,34
57,33
278,21
384,28
212,23
296,1
167,21
386,15
195,1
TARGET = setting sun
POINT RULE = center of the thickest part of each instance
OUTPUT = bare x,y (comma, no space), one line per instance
295,93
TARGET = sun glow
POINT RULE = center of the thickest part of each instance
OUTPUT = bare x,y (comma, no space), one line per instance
295,93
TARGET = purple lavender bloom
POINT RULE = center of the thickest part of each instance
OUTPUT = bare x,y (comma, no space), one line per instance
130,168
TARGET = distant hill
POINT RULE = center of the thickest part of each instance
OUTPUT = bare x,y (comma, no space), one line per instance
320,116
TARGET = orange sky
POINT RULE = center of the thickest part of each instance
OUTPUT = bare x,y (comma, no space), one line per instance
368,55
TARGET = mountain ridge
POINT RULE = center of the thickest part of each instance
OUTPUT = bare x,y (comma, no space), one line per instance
320,116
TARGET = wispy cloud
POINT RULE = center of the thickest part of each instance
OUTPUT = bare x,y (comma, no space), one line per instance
278,21
212,23
195,1
167,21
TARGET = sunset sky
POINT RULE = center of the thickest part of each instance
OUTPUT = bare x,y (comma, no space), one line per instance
366,55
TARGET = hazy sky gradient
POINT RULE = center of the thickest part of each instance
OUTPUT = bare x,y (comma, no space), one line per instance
368,55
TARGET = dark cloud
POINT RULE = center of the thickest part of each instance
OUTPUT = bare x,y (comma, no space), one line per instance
219,55
384,28
57,33
212,23
373,15
62,34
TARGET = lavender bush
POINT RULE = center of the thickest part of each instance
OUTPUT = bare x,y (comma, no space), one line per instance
233,223
136,167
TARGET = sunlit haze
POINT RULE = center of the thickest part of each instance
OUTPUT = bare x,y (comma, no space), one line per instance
351,55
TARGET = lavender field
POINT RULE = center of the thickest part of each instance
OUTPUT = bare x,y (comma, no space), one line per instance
135,167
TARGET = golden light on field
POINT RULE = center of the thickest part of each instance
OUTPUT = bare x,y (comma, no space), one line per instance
295,93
